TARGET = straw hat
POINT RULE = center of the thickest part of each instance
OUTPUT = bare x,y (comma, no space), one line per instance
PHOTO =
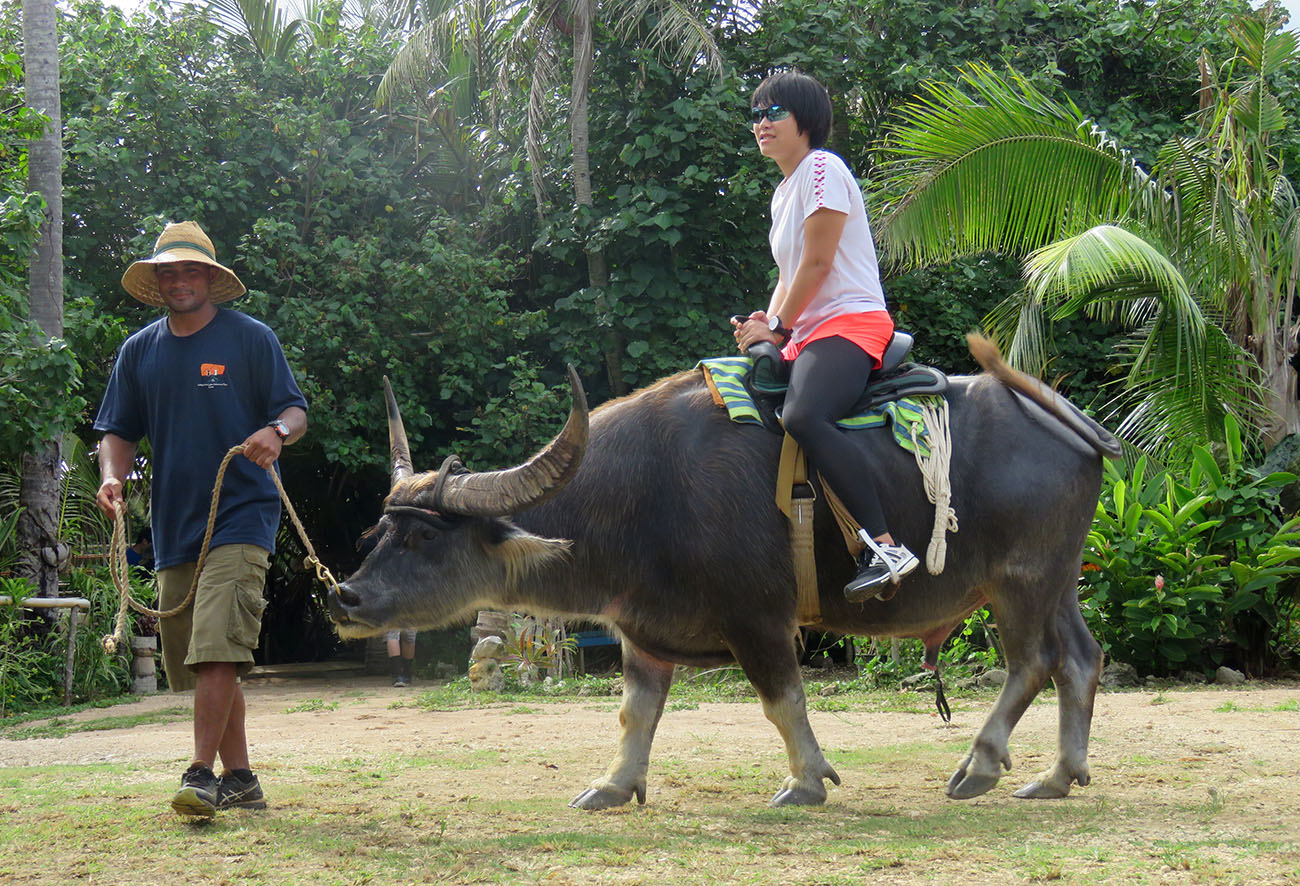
180,241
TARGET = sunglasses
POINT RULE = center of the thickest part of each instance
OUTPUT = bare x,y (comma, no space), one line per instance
774,113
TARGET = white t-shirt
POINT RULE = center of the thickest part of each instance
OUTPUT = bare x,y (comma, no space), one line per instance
853,284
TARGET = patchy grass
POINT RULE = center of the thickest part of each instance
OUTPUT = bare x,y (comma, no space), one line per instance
475,793
312,704
404,820
692,688
47,712
1231,707
60,727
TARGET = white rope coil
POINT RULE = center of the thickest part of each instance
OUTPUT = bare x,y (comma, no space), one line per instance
935,471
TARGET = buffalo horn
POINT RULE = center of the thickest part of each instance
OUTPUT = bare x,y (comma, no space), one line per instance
399,448
501,493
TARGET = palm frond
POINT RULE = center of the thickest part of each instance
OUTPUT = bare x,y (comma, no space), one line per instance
1219,379
416,63
259,24
1019,322
989,163
678,33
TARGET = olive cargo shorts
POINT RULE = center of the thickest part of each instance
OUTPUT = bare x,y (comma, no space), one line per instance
225,619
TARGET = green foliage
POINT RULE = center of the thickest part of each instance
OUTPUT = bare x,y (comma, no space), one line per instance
975,644
353,305
20,211
534,646
39,380
681,216
1194,573
39,375
404,241
1195,254
25,659
33,653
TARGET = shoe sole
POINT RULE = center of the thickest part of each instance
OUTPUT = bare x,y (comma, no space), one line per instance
188,802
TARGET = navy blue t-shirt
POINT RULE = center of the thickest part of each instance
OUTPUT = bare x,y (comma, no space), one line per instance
194,397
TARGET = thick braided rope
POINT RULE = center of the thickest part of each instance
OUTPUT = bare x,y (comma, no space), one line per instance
118,569
935,471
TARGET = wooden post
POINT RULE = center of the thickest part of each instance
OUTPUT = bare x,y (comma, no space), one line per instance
70,661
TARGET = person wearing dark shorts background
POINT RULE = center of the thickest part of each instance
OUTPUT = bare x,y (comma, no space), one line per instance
196,382
827,312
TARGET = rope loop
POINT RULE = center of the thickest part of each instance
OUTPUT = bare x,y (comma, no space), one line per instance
935,471
120,571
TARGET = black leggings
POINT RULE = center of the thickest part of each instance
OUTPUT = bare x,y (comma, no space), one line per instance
827,378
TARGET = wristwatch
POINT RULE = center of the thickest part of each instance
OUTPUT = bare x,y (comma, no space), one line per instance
774,324
281,429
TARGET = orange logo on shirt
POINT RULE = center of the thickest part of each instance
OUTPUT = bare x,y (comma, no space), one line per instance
208,370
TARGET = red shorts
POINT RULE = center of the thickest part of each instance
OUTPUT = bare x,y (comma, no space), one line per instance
870,331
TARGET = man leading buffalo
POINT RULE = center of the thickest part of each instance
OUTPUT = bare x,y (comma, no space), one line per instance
196,382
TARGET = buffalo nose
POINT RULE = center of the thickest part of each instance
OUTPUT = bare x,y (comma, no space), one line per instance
347,596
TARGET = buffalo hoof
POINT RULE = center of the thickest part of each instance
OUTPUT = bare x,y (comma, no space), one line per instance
596,798
1052,785
793,793
1038,790
963,786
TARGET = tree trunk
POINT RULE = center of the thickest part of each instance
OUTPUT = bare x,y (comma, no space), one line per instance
584,60
1280,381
38,528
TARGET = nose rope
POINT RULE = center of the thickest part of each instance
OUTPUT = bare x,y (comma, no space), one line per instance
119,571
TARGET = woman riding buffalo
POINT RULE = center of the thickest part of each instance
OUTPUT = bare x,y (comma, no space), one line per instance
828,310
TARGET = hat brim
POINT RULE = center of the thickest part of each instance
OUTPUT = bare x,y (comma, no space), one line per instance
142,283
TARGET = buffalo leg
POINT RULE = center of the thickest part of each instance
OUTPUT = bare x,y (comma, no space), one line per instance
1031,651
645,689
1076,688
773,668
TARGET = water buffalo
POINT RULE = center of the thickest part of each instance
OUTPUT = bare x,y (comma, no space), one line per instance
657,520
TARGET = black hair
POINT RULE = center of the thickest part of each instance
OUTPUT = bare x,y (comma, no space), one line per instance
145,534
805,97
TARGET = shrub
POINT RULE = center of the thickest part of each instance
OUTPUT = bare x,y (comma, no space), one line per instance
1192,573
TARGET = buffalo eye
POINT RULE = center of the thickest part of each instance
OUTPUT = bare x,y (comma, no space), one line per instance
366,543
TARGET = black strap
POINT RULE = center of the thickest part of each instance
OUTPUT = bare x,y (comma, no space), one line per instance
940,701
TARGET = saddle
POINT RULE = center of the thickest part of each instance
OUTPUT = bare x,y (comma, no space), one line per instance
895,379
766,383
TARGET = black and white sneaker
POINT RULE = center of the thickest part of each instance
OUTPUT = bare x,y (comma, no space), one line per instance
198,793
239,790
881,565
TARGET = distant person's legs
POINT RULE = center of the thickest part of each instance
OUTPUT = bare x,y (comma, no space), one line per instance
401,655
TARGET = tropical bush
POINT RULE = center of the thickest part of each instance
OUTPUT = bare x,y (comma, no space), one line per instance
1191,573
33,650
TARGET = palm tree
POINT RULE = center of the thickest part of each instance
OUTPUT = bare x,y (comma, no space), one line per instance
1197,255
505,38
38,525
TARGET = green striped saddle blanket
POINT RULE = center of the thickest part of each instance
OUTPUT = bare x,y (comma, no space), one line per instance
726,376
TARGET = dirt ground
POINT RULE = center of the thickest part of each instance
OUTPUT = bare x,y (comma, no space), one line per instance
1236,728
1154,751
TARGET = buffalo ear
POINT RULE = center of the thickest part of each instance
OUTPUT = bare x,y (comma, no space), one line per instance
522,553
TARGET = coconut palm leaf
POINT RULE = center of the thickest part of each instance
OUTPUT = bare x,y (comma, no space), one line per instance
678,34
989,163
1106,272
1219,379
260,25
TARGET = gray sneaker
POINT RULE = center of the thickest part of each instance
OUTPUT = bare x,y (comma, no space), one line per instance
198,793
238,791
